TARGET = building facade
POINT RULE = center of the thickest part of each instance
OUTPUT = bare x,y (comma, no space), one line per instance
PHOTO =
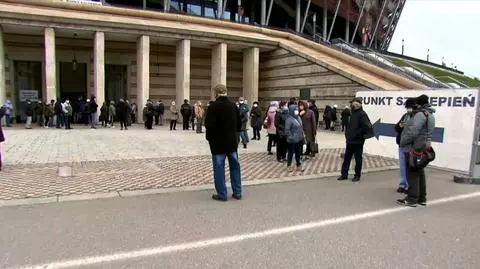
56,49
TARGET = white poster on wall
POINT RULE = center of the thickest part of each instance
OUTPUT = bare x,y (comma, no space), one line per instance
25,95
453,137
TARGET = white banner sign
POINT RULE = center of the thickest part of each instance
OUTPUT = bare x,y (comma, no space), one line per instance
25,95
455,121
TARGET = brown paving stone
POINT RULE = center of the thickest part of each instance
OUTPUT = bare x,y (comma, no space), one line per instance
42,180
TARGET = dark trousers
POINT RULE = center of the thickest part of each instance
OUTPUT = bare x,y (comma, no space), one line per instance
149,122
68,120
294,148
417,186
192,121
60,120
123,124
173,125
350,151
134,118
256,133
327,124
281,148
272,138
157,119
186,122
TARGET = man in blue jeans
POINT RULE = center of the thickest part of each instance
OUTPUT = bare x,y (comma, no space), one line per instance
403,151
222,125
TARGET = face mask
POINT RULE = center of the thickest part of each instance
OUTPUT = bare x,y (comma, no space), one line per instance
241,102
352,107
255,105
409,110
173,103
295,112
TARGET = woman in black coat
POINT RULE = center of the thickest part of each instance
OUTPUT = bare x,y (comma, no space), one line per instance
256,120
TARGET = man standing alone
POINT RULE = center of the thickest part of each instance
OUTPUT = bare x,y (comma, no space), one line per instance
222,126
358,129
186,111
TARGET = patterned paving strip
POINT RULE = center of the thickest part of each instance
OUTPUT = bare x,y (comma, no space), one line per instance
42,180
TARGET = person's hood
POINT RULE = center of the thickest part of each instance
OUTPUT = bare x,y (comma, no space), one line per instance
8,102
272,109
427,108
291,111
274,103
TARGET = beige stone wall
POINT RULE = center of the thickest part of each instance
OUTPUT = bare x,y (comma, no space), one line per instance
283,74
162,65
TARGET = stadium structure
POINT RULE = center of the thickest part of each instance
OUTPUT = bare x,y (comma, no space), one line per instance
174,50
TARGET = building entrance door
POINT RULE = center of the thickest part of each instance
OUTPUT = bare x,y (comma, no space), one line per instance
115,82
28,86
73,81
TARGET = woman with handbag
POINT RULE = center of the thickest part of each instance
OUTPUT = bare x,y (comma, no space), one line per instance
294,135
309,128
417,137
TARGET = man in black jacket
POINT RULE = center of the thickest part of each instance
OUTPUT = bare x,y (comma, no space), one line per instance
358,129
186,111
222,125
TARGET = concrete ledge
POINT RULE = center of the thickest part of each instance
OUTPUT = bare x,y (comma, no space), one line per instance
120,194
87,196
28,201
466,180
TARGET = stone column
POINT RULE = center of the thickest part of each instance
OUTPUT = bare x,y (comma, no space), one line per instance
3,89
250,74
50,66
325,19
219,66
99,68
183,71
143,73
263,12
298,16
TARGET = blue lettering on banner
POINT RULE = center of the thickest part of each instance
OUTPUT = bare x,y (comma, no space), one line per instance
450,101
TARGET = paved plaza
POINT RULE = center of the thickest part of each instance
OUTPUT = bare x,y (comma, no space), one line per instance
111,160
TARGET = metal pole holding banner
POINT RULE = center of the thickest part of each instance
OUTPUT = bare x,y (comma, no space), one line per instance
269,12
334,18
358,21
263,11
314,19
306,15
472,177
378,23
391,21
297,16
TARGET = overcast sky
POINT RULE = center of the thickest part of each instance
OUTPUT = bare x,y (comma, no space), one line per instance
449,28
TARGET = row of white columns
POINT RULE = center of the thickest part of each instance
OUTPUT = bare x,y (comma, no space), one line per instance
218,72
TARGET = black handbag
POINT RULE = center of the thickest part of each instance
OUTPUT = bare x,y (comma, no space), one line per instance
419,159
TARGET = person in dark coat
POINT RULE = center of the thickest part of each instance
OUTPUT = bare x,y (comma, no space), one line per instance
333,117
122,112
313,107
3,110
256,120
222,125
280,120
345,117
327,117
358,129
29,111
309,127
186,112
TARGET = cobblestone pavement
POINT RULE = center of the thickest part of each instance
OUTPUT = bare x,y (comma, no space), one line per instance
109,160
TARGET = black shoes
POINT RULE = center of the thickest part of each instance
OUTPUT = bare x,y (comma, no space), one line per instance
235,196
217,197
354,179
402,190
406,202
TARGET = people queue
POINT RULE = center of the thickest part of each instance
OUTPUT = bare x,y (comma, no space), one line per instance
289,125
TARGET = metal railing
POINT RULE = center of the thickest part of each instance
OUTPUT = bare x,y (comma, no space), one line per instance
377,59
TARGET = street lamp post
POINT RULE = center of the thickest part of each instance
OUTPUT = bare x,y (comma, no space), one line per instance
403,46
428,55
